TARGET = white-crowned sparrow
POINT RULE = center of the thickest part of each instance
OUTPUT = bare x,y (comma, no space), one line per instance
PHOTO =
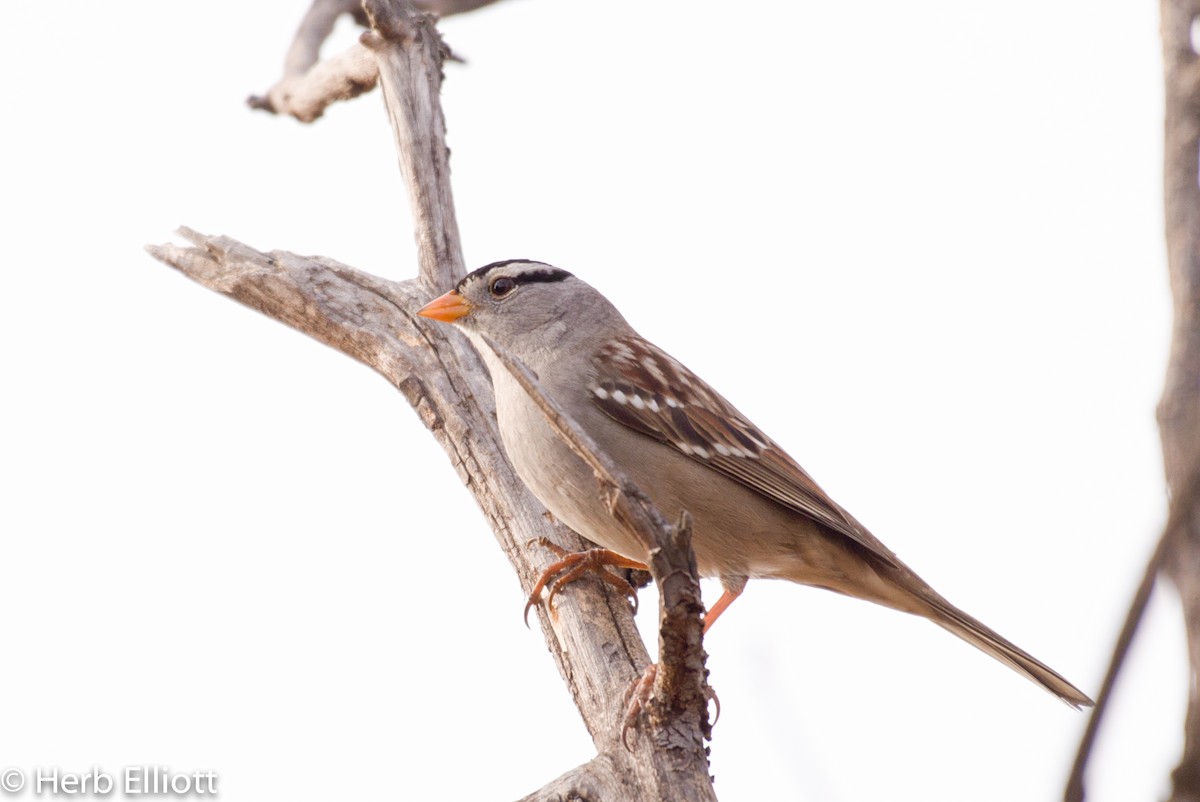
755,511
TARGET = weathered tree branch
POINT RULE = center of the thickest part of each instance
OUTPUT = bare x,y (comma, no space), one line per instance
306,96
308,86
591,633
409,52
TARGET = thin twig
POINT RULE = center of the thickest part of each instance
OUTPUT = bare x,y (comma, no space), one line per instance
1137,609
1181,509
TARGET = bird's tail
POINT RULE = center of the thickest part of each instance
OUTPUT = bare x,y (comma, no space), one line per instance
949,617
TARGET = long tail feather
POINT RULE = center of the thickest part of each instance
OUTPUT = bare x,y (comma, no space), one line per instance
982,637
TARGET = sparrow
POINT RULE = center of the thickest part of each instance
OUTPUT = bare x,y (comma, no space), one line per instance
756,514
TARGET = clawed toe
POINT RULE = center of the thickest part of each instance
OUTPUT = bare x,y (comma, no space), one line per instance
637,696
573,565
711,696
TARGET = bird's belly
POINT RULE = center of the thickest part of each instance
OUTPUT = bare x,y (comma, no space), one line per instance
734,534
563,483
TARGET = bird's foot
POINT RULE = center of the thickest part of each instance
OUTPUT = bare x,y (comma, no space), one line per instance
637,696
572,565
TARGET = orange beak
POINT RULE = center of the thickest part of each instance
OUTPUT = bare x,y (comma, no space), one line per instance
446,308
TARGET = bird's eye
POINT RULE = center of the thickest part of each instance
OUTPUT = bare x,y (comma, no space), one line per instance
502,286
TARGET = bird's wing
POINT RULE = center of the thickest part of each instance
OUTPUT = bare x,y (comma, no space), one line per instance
641,386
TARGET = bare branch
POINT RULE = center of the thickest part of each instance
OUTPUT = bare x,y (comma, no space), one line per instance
410,50
591,633
306,96
679,706
305,88
1181,507
374,321
1179,410
314,29
309,86
1178,551
597,779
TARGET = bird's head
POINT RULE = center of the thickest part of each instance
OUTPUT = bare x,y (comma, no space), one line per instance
524,305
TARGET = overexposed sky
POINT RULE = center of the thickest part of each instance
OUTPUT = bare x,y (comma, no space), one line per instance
919,245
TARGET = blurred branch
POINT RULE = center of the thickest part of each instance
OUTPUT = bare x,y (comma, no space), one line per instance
314,29
1179,409
306,96
590,633
444,8
1178,552
1076,789
308,86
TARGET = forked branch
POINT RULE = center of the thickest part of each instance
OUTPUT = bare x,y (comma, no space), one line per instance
308,85
591,634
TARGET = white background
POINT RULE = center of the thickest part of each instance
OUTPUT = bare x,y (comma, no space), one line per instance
920,245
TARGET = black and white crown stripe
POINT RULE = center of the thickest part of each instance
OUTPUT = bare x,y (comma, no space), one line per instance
539,273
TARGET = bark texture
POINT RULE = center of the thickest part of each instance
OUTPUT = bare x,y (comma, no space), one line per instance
590,633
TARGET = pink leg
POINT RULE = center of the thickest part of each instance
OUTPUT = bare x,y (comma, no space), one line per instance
726,599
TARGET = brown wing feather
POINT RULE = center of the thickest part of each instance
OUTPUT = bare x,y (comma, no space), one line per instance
639,385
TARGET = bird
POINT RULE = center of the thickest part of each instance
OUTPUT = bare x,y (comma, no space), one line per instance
756,514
